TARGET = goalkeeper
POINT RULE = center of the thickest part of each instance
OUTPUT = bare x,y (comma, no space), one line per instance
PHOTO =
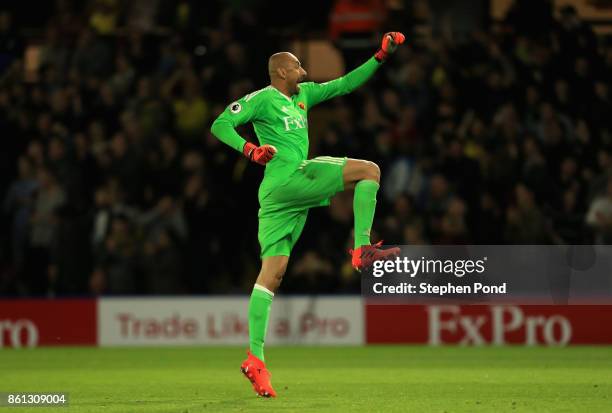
292,184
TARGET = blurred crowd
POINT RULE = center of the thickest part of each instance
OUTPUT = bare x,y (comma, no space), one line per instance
112,182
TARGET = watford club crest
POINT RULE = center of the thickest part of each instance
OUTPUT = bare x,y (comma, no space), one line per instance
301,105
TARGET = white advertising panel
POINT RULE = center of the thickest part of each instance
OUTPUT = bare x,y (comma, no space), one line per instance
222,321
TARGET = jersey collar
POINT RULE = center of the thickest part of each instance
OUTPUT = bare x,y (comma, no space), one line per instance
282,94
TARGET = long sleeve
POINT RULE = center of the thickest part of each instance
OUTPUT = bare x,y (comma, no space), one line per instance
320,92
236,114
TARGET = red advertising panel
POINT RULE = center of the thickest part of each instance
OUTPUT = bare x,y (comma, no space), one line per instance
489,324
31,323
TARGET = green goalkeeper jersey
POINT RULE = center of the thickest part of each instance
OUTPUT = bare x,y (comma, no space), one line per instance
282,121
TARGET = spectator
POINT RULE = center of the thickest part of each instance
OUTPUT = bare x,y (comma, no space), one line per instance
125,165
599,216
404,214
18,204
92,56
191,110
568,221
162,265
116,260
43,223
453,227
525,222
490,220
49,197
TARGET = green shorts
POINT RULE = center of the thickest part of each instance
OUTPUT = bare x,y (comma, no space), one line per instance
283,211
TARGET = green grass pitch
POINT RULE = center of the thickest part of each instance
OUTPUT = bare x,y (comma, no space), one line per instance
317,379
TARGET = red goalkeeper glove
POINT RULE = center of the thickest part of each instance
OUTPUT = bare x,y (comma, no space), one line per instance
390,42
259,154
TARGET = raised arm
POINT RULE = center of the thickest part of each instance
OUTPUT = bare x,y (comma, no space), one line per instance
320,92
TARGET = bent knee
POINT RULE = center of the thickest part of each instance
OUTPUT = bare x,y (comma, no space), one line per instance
372,172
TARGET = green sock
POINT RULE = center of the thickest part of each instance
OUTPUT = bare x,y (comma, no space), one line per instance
259,314
364,205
